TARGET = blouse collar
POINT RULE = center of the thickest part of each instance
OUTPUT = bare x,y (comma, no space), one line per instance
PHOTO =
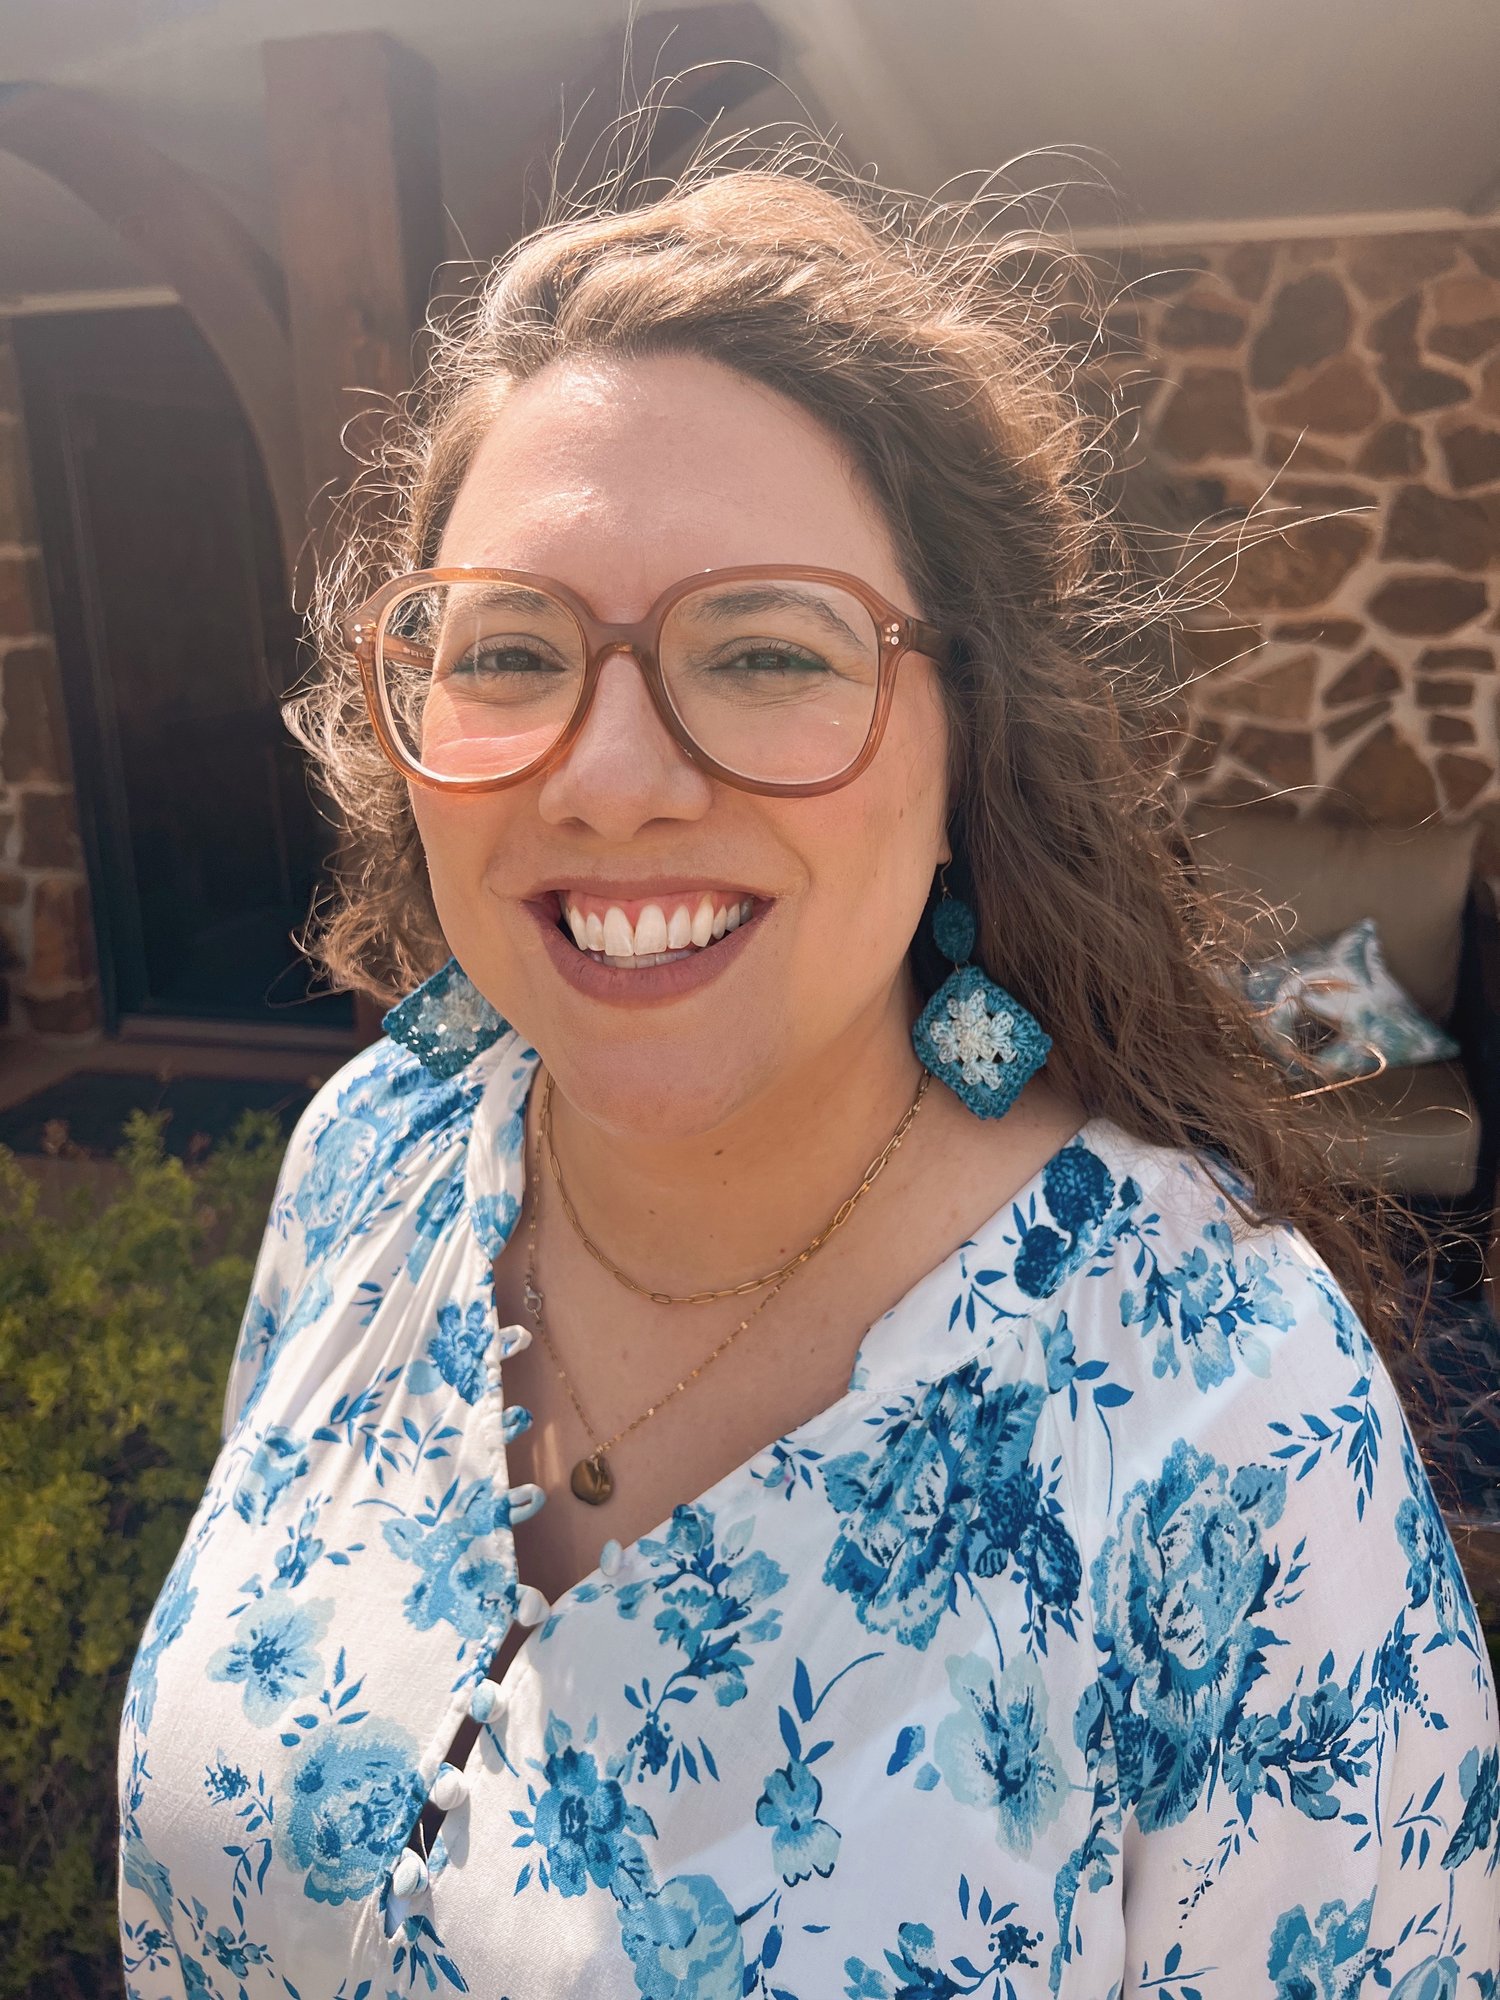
446,1022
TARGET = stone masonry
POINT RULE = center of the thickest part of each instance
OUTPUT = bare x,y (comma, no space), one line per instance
47,978
1358,381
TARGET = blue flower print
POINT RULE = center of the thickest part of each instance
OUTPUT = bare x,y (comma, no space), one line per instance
801,1843
921,1974
684,1942
341,1155
1322,1960
277,1460
995,1753
354,1797
143,1871
946,1492
470,1591
1212,1305
707,1594
1061,1354
581,1821
455,1353
1435,1978
442,1202
274,1655
1432,1561
269,1331
1479,1783
1176,1589
1080,1192
169,1620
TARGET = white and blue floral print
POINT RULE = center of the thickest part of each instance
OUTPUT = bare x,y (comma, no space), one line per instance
1103,1640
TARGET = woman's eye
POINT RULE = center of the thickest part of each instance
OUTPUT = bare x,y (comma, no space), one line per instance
758,660
508,660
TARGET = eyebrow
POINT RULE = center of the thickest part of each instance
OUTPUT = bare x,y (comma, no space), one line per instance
504,597
724,605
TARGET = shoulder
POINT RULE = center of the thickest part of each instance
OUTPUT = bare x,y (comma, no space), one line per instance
381,1121
1188,1319
377,1169
1218,1401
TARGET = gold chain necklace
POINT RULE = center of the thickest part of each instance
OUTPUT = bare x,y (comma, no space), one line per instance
591,1478
777,1277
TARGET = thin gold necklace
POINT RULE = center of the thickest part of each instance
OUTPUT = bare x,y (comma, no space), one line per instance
592,1480
779,1276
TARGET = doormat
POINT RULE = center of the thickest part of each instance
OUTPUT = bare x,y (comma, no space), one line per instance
86,1112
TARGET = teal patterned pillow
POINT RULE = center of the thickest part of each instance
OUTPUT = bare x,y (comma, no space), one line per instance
1326,1006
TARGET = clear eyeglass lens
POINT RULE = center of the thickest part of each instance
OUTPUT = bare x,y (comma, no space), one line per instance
479,679
773,678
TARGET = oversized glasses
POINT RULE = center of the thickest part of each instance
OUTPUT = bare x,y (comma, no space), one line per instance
773,678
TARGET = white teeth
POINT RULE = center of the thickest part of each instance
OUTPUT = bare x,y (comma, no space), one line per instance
650,931
654,939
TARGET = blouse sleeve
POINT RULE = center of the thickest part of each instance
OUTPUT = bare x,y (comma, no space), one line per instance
1294,1720
284,1290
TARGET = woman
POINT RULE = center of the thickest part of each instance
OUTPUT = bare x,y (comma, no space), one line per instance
759,1462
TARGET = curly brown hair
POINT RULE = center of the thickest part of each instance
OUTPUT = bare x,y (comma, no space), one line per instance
928,344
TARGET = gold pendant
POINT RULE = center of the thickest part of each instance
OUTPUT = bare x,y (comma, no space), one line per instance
592,1480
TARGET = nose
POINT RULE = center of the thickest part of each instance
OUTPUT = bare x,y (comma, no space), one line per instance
623,770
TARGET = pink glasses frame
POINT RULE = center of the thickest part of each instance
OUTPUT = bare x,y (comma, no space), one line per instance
898,633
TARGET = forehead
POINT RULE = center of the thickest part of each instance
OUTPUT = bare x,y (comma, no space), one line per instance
620,477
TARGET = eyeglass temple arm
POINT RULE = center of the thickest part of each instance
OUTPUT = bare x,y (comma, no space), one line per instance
929,640
362,642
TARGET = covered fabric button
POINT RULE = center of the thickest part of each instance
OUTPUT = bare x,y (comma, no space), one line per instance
610,1557
482,1701
513,1421
514,1340
449,1788
409,1876
531,1606
525,1500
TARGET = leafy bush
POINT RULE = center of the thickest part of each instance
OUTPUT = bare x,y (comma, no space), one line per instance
117,1320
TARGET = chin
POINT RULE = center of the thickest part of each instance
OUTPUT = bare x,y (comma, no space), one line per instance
658,1086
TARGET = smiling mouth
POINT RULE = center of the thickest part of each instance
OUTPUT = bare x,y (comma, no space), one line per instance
631,937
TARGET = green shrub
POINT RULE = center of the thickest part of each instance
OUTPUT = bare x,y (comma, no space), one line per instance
117,1320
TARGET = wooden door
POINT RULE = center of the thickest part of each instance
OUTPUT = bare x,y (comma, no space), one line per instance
176,643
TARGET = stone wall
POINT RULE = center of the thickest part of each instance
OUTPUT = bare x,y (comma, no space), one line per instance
1356,670
47,978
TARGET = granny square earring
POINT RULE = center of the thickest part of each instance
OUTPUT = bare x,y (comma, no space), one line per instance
972,1034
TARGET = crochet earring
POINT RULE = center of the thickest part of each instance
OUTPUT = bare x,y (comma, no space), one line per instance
972,1034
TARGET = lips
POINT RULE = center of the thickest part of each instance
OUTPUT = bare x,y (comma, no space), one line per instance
646,978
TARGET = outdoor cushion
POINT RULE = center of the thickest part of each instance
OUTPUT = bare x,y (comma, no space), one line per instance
1358,1009
1415,1130
1321,876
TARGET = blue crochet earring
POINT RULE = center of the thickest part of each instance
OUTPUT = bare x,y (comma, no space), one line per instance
972,1034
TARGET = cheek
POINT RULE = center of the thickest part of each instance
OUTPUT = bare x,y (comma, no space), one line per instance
458,835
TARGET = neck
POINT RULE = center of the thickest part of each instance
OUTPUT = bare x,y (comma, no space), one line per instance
719,1207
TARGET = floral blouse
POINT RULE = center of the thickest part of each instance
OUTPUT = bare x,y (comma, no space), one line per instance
1103,1639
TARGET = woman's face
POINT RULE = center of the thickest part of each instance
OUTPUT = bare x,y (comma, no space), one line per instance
618,478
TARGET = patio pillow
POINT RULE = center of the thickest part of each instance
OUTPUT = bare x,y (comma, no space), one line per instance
1326,1006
